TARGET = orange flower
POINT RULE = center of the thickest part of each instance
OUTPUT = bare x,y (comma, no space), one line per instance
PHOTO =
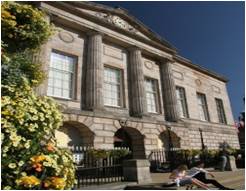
50,147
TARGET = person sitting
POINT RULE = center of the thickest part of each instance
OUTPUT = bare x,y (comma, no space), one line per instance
199,173
181,179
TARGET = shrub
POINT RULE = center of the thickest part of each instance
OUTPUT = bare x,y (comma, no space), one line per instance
21,65
23,27
30,158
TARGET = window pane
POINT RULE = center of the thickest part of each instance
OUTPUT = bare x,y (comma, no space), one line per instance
181,100
220,111
151,95
112,87
60,79
202,106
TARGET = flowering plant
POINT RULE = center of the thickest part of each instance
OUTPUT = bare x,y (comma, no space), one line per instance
23,24
30,158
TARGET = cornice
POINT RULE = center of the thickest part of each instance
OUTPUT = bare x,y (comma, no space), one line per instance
199,68
154,41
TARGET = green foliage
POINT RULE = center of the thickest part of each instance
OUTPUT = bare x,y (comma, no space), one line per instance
23,27
21,65
29,155
101,153
119,153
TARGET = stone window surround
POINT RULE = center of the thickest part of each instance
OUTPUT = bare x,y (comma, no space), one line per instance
122,92
206,106
75,76
185,102
221,111
157,95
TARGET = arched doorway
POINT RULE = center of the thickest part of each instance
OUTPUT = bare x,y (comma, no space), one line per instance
170,143
170,140
132,139
74,134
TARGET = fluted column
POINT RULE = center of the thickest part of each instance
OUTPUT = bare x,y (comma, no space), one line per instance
94,73
168,91
138,106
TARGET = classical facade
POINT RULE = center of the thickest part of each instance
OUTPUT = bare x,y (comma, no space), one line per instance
120,84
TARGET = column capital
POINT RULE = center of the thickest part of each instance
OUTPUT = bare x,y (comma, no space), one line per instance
94,32
134,48
167,60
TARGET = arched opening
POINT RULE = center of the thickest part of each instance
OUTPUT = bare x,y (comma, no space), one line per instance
132,139
74,134
170,140
170,143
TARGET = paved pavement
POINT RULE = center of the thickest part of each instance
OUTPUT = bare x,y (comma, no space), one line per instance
234,180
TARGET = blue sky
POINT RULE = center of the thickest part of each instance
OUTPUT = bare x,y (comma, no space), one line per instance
210,34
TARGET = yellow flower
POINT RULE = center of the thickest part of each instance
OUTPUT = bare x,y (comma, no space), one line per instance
7,188
28,181
12,165
55,182
35,118
23,174
38,158
27,144
20,163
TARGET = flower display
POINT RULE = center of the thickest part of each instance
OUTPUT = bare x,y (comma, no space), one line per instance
28,181
55,183
30,156
22,147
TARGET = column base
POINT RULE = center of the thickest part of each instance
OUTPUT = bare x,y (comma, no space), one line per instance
137,170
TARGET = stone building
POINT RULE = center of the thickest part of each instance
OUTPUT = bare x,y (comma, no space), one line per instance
120,84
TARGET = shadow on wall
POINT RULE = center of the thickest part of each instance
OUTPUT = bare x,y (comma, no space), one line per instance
131,138
75,134
170,140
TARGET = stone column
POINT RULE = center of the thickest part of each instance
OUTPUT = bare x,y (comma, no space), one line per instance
138,105
168,91
94,73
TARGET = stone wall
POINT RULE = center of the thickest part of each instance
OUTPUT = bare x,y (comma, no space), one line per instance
193,82
187,132
73,37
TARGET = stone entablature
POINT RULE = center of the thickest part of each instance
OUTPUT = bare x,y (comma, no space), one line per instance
96,46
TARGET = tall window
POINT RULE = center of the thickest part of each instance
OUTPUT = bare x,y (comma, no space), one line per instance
202,106
151,95
220,110
61,76
182,104
112,87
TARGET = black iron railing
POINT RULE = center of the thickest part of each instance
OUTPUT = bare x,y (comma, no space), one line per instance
94,170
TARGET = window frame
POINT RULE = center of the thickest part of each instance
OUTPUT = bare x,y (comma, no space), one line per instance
204,106
220,108
74,74
183,101
121,84
156,93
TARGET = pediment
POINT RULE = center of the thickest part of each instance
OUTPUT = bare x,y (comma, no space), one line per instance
116,17
115,20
